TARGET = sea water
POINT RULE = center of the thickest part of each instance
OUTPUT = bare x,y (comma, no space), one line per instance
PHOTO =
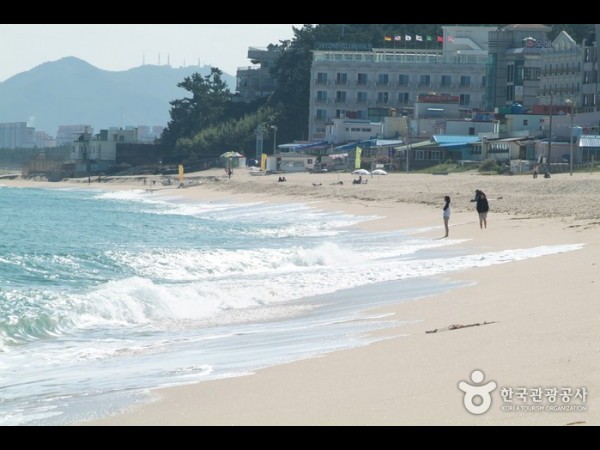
105,295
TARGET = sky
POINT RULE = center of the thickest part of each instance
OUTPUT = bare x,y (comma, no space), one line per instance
120,46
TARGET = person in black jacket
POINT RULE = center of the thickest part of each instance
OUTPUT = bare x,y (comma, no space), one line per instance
482,208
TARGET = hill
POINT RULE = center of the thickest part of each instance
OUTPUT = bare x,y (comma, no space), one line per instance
72,91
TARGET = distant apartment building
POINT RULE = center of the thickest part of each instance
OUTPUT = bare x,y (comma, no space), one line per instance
515,65
254,82
44,140
66,134
561,75
570,74
346,83
16,135
149,134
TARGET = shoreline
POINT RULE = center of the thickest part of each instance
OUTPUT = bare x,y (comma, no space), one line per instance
544,310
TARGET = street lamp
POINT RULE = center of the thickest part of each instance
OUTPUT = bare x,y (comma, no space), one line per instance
274,127
572,106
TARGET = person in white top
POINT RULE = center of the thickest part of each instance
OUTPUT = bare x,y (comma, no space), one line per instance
446,213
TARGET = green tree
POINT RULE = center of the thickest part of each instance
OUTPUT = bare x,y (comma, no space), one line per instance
207,106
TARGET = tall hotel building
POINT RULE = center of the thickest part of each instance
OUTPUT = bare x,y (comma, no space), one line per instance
347,83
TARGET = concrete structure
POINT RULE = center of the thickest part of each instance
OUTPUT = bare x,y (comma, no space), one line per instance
352,130
345,84
590,87
96,153
515,64
16,135
66,134
561,73
254,82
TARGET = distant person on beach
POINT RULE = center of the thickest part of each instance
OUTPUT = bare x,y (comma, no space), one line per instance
535,172
446,213
482,208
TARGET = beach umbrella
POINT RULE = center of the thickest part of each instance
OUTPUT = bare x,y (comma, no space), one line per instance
379,172
361,172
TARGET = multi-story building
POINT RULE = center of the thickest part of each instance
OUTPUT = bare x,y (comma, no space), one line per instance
16,135
561,75
345,83
44,140
589,87
254,82
515,64
66,134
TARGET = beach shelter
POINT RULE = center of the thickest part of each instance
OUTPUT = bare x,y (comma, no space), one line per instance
231,159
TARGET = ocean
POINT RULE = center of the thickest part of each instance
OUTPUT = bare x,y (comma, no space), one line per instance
106,295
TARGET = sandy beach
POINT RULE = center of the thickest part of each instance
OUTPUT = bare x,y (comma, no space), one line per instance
538,318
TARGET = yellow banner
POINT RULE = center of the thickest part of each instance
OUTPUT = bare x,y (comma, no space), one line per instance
181,176
357,158
263,161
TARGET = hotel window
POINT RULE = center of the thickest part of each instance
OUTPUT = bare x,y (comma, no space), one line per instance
446,80
382,79
382,97
321,78
465,99
340,96
510,74
321,96
341,78
361,97
424,80
403,98
361,79
321,114
465,81
403,79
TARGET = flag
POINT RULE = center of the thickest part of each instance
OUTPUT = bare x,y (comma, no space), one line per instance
181,176
450,38
357,158
419,38
397,38
263,161
440,39
429,38
387,38
407,38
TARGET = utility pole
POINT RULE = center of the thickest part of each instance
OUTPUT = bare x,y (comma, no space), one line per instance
572,102
550,134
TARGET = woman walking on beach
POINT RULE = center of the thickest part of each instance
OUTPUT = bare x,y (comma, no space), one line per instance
446,213
482,208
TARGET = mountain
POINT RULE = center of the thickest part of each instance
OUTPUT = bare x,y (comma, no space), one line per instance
71,91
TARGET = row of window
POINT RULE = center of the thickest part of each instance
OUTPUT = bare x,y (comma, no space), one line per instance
321,114
383,79
382,97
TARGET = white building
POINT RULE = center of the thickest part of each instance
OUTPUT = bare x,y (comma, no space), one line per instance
345,83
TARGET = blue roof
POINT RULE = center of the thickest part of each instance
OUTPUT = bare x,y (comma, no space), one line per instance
369,143
301,146
445,140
